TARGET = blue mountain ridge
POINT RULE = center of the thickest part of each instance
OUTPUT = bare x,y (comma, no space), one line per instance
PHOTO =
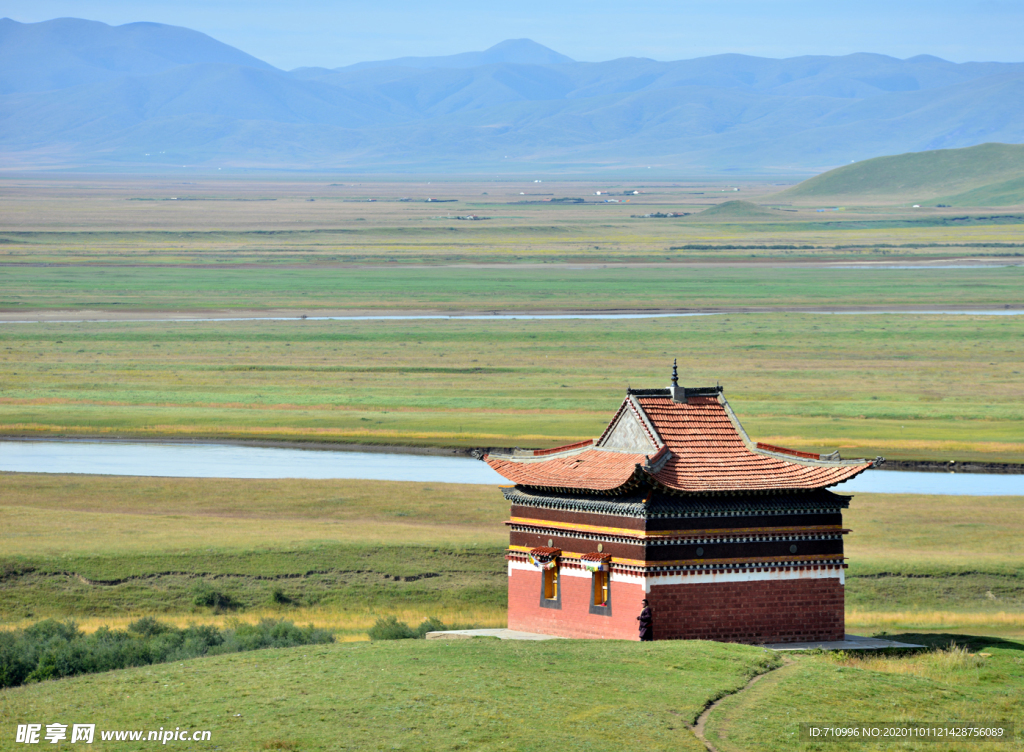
95,94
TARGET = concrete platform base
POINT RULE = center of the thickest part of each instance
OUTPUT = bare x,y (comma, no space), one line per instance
852,642
501,634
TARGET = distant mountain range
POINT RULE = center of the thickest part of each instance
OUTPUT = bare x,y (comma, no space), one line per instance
143,95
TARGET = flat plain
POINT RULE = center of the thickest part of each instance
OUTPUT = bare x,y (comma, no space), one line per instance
78,252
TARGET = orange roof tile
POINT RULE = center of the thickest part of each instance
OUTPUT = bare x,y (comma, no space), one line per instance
703,449
593,470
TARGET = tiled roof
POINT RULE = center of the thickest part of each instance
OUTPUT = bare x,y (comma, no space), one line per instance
590,470
704,449
545,553
709,453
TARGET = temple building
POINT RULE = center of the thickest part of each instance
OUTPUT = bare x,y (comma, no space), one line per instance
728,539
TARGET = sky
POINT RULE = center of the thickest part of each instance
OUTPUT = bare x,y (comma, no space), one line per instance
333,33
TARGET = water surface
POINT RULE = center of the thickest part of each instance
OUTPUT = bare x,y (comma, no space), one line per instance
179,460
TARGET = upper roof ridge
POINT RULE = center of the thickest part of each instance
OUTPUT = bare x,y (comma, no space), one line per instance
689,391
682,440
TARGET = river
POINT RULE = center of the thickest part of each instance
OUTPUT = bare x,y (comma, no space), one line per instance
175,318
186,460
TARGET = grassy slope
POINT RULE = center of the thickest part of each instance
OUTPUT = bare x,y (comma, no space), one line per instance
922,175
468,694
1003,193
490,695
867,384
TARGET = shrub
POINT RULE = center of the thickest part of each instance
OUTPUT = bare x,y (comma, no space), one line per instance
205,596
147,626
51,649
390,628
278,597
431,624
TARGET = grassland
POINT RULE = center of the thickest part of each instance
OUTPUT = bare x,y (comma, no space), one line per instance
679,287
109,248
943,387
341,554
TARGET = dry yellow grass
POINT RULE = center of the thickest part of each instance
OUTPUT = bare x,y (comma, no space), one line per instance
348,625
937,665
868,622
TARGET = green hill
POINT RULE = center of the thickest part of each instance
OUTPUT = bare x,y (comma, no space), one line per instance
737,210
1006,193
985,175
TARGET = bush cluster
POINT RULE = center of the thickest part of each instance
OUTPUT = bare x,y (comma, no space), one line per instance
51,649
390,628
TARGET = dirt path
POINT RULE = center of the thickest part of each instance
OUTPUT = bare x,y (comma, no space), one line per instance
699,726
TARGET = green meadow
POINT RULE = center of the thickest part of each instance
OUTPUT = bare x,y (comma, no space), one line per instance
921,386
601,287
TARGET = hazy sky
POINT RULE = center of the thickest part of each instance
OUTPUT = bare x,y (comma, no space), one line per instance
331,34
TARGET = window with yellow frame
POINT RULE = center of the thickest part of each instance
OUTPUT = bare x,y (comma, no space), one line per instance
551,583
600,588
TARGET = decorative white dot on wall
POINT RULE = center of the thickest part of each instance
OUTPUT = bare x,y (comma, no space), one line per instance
792,549
700,552
600,547
551,543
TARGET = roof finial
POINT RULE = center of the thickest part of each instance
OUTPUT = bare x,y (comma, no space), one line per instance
675,373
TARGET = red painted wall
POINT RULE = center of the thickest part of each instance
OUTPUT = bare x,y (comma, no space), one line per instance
751,612
574,618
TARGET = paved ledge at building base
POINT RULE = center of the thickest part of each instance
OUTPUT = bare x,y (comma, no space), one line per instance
501,634
852,642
